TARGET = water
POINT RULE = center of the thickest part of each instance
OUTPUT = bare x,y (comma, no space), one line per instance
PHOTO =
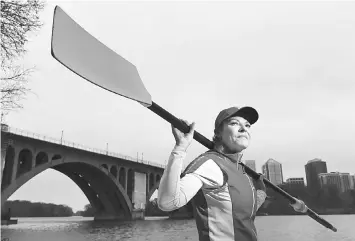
270,228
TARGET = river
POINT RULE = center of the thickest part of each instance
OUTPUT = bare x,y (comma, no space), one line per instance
270,228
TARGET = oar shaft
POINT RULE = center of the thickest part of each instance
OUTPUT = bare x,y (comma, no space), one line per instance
177,123
320,220
255,175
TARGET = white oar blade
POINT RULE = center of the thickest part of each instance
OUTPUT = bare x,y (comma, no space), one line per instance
86,56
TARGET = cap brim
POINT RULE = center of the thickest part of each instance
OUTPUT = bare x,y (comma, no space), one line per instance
248,113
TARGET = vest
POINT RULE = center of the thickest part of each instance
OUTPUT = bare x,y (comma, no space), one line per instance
227,212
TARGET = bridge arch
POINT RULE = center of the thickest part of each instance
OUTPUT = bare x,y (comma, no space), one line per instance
113,170
56,157
24,163
151,181
41,158
157,178
152,190
122,177
130,183
104,193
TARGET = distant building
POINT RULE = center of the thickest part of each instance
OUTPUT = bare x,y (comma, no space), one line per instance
352,186
295,181
343,181
272,170
313,169
346,181
251,164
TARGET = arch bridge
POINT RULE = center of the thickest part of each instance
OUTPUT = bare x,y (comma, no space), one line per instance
117,186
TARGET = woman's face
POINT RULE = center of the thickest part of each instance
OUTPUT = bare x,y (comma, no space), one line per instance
235,134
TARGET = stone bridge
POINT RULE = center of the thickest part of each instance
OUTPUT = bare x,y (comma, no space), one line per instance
117,186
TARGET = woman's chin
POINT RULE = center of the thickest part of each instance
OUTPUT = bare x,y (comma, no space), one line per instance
243,144
238,148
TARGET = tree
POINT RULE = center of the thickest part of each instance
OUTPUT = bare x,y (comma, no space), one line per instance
18,18
22,208
89,211
346,200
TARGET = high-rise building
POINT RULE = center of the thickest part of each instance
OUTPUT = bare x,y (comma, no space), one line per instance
295,181
272,170
352,182
343,181
346,181
313,169
327,179
251,164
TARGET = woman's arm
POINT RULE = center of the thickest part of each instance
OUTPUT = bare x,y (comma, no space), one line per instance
174,192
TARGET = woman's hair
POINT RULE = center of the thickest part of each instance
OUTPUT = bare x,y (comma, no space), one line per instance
217,139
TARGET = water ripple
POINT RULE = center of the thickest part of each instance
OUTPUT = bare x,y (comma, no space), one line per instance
275,228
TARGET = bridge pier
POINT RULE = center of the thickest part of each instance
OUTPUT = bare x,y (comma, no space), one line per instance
138,214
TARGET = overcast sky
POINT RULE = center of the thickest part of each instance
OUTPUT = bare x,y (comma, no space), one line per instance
293,62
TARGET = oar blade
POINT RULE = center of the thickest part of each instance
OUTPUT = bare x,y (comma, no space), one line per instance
86,56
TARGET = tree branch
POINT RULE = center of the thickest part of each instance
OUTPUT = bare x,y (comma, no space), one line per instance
18,18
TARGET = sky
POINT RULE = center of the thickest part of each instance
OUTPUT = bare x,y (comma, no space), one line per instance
292,61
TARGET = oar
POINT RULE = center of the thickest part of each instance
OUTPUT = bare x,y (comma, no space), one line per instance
83,54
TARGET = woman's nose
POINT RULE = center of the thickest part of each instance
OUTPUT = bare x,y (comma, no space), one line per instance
242,128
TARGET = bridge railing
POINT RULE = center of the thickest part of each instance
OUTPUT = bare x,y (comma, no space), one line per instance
6,128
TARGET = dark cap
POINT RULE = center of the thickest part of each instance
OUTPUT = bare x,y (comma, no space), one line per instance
248,113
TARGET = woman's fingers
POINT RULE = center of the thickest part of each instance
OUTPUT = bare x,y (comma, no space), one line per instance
183,139
192,128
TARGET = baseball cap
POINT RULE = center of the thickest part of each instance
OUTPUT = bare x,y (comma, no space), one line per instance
248,113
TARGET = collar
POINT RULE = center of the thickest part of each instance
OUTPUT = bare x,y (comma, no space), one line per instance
235,157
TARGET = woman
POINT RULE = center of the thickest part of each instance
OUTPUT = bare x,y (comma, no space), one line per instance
224,198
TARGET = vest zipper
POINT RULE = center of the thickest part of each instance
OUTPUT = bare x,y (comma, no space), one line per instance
252,211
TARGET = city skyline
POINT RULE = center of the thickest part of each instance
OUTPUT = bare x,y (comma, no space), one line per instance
304,179
259,164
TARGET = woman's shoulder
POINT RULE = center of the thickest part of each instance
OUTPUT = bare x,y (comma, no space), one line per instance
208,157
206,168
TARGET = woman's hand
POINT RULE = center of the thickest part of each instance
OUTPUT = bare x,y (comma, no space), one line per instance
259,184
299,206
183,140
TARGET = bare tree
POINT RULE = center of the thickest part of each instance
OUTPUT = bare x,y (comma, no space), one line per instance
18,18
